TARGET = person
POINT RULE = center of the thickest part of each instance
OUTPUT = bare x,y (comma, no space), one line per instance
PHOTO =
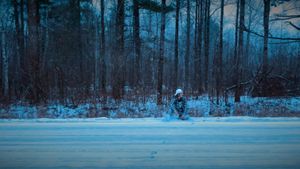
178,105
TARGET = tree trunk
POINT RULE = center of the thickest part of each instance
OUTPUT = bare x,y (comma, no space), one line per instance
266,34
176,44
199,47
240,52
23,62
206,42
119,66
17,56
45,40
161,54
44,43
247,64
236,31
1,66
102,50
33,50
187,52
196,55
79,43
137,41
4,66
219,74
97,58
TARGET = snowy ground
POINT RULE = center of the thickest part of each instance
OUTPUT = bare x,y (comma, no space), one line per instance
200,143
197,106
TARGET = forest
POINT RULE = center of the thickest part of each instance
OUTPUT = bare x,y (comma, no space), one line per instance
75,50
150,84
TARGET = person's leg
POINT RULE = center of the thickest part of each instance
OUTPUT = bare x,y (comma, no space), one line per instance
180,115
183,116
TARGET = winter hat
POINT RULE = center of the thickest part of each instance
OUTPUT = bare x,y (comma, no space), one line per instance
178,91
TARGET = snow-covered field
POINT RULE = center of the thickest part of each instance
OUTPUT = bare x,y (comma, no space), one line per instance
200,143
197,106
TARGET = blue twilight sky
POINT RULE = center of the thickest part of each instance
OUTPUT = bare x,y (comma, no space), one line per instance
278,28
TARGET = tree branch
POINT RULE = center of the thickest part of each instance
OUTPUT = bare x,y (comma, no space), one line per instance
270,37
213,12
284,17
288,16
295,26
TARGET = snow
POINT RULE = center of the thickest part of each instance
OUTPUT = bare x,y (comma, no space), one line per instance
206,143
200,106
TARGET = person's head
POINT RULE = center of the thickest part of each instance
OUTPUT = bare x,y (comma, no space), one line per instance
178,93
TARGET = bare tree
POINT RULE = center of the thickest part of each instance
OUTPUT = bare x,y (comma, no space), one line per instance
219,75
119,67
236,31
176,43
198,45
77,13
97,57
137,41
19,39
266,34
248,37
187,52
206,42
240,52
22,46
161,53
33,50
4,65
102,49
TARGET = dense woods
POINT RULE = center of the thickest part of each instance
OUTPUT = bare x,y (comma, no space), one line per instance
70,50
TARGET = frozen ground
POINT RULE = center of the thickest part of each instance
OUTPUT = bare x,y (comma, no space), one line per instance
200,143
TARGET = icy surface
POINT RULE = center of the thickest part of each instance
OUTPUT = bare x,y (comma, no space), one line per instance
205,143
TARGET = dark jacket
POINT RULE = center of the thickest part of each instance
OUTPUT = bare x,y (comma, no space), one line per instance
179,105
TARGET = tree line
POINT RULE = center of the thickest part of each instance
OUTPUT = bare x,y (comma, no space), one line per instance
75,49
